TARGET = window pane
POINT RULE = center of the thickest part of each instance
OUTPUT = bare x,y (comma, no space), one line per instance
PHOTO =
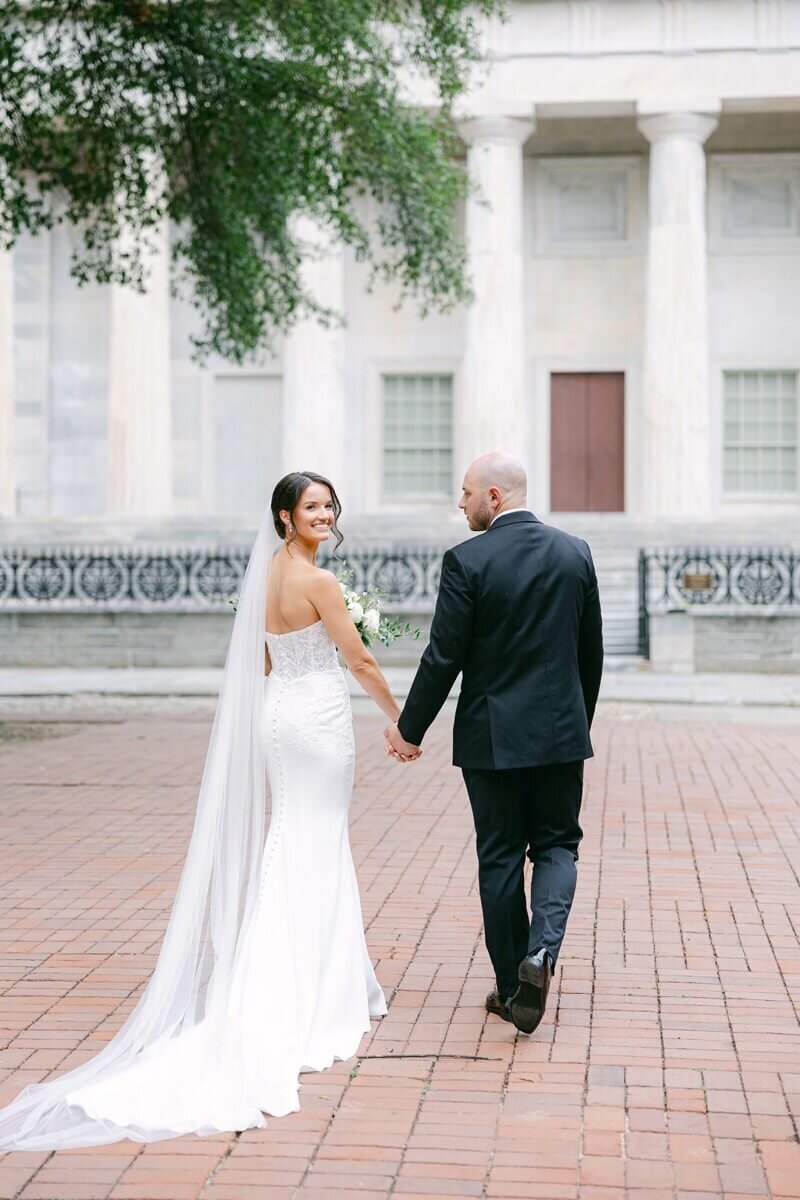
760,431
417,435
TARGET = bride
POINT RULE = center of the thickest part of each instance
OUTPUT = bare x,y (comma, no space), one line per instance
264,970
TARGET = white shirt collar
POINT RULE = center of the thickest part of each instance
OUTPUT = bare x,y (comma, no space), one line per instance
506,513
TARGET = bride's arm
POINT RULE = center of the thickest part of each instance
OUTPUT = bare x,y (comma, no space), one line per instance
326,596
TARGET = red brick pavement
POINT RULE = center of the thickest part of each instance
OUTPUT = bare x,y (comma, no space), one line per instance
668,1064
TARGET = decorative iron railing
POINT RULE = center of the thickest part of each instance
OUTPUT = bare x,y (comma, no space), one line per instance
734,578
191,579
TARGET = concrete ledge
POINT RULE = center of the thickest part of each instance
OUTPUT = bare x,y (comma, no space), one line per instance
623,681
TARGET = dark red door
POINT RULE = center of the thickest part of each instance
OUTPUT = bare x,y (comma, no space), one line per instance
587,442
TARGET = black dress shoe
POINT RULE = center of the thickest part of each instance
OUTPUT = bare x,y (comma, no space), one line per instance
529,1001
500,1008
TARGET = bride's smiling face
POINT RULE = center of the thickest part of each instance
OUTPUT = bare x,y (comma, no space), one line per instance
313,515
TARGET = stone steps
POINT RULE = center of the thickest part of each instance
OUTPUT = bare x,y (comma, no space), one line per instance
617,577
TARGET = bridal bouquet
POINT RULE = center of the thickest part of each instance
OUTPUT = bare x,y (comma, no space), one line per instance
365,611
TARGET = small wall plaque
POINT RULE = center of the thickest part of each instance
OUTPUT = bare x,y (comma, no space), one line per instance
698,581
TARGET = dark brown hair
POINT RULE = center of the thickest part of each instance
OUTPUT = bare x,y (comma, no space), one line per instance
288,492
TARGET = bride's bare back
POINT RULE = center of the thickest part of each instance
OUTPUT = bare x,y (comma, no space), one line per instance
289,606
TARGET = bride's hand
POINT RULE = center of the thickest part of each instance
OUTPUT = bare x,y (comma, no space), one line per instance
397,747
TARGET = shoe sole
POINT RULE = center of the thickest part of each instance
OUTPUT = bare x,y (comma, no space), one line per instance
527,1007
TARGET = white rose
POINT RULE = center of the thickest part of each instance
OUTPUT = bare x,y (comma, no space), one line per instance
372,620
356,612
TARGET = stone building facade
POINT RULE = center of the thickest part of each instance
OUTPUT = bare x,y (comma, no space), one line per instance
634,245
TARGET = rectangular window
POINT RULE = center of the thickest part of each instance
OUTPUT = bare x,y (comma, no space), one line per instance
754,203
761,203
760,435
588,206
417,436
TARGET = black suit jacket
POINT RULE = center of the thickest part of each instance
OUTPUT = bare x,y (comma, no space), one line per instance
518,614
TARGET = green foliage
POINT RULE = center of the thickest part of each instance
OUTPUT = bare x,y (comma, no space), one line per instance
365,611
230,116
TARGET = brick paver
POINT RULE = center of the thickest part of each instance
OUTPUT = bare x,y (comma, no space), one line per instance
668,1064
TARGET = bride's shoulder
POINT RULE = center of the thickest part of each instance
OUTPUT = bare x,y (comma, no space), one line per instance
322,577
321,582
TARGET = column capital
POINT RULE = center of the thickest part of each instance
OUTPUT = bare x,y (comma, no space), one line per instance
496,128
687,126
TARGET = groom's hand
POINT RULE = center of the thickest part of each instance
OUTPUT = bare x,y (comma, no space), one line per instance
397,747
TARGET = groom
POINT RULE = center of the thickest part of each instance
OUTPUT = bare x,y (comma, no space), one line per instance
518,615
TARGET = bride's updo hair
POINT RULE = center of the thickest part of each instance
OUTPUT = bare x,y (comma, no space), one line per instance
287,494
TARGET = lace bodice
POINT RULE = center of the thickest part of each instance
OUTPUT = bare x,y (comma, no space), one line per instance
301,651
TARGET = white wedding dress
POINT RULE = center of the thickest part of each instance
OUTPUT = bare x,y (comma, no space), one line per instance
264,971
303,988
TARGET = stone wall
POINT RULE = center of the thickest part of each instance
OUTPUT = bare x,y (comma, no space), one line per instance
136,639
748,643
706,642
122,639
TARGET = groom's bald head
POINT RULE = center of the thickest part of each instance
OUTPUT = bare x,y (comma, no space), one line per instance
502,471
493,483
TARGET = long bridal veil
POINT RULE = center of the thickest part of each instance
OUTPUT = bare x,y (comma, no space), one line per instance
216,895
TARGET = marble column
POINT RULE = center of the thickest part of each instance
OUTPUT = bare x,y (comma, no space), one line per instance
7,465
492,401
677,411
139,443
313,417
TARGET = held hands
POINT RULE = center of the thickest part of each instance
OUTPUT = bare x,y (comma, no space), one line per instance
397,747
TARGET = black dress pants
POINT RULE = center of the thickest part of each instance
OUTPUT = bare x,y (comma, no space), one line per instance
531,810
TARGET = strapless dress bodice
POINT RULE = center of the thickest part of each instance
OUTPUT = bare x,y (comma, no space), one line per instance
302,652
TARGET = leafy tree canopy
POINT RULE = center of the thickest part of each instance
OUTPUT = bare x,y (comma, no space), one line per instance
230,116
